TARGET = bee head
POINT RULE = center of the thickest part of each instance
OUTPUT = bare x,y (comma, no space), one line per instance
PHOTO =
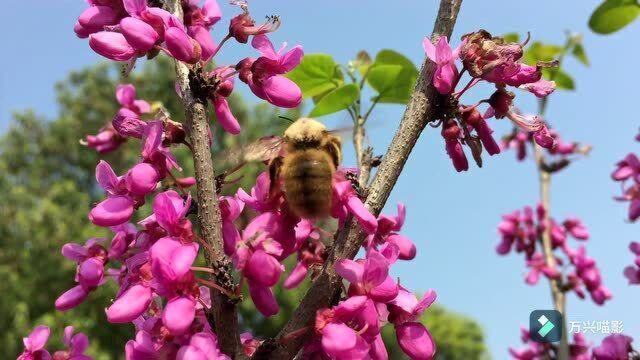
305,131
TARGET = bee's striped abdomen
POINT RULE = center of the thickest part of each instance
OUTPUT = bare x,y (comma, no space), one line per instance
307,183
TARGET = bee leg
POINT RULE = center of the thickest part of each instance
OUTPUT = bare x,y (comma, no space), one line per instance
274,175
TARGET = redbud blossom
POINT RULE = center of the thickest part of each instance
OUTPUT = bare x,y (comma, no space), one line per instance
446,71
140,35
112,45
632,272
614,347
451,133
34,344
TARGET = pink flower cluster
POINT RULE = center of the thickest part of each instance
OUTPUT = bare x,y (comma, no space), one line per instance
488,59
34,345
613,347
627,172
632,272
522,231
123,30
351,329
519,140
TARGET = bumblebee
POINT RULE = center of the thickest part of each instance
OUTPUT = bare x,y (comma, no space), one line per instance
302,164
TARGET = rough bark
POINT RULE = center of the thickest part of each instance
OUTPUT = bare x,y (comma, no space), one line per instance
327,285
223,309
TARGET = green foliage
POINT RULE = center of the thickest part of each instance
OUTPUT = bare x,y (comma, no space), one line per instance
390,76
337,99
613,15
393,76
317,74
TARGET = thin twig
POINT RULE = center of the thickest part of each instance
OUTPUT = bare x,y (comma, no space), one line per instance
544,178
417,114
223,309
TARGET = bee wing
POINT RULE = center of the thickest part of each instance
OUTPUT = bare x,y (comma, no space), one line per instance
263,149
342,131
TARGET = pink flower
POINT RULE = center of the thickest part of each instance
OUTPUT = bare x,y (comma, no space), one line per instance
242,26
627,168
263,75
179,44
369,277
142,179
130,304
139,34
474,119
613,347
95,18
112,45
345,201
446,71
540,88
202,346
76,344
107,140
346,329
414,339
632,272
221,106
155,152
169,213
538,265
118,207
230,210
71,298
34,344
451,133
126,96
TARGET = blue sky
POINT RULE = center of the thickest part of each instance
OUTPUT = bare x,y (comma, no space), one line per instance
451,216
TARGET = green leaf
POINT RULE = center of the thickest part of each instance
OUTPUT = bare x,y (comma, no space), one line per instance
393,76
613,15
511,37
563,80
579,53
316,74
390,57
336,100
541,52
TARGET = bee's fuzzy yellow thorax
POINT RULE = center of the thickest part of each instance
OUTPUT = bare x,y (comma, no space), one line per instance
305,129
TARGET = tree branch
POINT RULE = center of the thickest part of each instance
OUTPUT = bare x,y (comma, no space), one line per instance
223,309
327,285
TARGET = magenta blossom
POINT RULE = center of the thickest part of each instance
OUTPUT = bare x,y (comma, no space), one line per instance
446,74
414,339
264,75
76,344
34,344
614,347
632,272
369,277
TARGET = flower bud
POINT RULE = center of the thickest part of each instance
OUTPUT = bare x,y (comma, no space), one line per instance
111,45
181,46
71,298
95,18
140,35
142,179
